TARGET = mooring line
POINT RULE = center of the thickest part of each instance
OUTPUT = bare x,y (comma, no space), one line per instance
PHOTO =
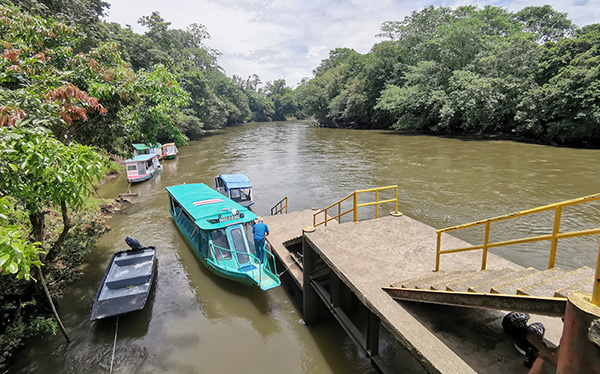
114,345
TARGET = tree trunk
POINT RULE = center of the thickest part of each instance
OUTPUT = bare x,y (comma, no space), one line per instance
63,235
37,225
47,292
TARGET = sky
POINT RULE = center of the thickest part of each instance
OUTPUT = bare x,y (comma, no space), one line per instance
287,39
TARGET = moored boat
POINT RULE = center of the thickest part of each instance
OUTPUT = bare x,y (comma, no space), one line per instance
142,167
237,187
156,149
169,151
126,283
140,149
220,233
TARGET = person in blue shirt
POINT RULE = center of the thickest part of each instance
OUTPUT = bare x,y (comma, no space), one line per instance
260,230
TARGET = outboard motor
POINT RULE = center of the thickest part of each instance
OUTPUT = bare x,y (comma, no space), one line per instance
133,244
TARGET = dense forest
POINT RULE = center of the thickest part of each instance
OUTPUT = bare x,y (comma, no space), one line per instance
75,91
484,71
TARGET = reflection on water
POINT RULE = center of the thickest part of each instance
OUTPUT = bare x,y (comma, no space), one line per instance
199,323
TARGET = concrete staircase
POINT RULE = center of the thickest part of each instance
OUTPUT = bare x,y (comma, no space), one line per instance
528,290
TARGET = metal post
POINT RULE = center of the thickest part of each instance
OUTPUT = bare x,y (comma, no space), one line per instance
325,217
437,253
396,198
485,244
554,242
355,207
376,203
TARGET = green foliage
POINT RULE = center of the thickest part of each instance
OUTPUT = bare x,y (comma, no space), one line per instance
466,70
565,108
17,255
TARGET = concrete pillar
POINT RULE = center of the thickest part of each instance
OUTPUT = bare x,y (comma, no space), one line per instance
579,350
310,299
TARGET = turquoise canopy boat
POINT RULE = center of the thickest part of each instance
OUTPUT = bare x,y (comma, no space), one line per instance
219,230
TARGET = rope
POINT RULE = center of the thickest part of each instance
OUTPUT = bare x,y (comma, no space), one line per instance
280,274
114,345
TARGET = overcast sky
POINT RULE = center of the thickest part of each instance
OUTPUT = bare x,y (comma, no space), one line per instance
289,38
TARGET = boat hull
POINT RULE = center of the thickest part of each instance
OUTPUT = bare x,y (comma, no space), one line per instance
126,283
142,178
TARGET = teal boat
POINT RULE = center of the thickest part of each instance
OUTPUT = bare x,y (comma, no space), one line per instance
219,230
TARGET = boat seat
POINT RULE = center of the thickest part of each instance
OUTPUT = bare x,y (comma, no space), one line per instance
121,283
132,259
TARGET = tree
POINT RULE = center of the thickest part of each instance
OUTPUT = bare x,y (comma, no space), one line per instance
565,108
546,23
39,171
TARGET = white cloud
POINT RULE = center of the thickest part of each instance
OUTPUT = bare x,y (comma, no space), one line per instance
288,38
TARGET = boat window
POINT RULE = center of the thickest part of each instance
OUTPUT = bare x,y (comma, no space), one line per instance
245,194
234,193
219,240
131,167
149,163
186,222
240,245
203,242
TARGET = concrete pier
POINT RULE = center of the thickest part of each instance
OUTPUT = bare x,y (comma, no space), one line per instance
341,268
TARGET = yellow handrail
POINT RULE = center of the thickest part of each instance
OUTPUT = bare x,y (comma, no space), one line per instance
355,205
553,237
278,208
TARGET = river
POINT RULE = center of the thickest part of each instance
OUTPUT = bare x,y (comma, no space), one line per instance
196,322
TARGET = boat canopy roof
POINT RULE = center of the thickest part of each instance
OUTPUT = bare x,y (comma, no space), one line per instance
140,147
209,209
140,158
168,144
235,181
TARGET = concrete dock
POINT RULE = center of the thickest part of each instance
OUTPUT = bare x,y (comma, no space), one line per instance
368,255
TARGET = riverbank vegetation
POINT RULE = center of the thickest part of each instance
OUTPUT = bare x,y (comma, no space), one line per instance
485,71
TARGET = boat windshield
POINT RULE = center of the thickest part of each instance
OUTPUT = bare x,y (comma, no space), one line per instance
221,244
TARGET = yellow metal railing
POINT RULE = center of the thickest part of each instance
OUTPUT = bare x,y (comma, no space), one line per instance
355,205
280,206
553,237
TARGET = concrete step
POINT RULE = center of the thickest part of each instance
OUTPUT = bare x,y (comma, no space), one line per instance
408,283
462,285
512,286
441,284
426,284
586,285
548,287
485,285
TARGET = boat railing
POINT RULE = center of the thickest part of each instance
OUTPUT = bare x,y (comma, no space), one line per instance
353,197
280,206
253,260
554,237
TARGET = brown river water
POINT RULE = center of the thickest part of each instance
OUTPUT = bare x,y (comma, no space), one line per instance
195,322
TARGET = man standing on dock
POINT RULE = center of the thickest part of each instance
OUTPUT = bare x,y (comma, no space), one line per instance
260,230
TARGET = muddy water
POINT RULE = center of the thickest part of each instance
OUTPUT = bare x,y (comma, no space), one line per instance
196,322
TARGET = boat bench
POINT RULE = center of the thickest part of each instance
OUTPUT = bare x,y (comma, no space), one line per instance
121,283
133,259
